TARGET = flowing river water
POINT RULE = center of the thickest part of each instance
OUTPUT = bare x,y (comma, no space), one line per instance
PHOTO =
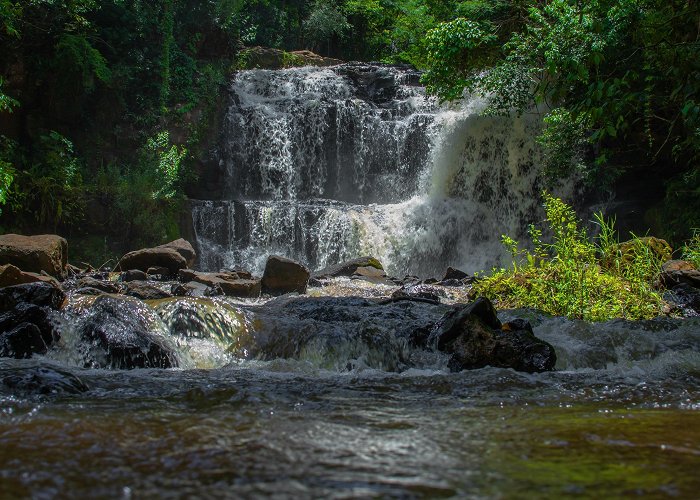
322,396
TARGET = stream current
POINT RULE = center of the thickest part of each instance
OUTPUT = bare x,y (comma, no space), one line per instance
320,396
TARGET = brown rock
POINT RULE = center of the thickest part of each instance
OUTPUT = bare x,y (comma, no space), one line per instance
11,275
44,252
184,248
229,283
153,257
283,276
677,272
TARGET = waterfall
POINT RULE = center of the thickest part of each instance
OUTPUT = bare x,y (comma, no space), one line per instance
326,164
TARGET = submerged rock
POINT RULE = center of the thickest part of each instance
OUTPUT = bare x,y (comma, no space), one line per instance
145,291
124,333
475,338
284,276
44,252
42,380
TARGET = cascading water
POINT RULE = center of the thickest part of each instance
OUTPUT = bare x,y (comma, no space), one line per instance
326,164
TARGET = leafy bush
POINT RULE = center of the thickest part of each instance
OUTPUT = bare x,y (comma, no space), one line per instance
575,277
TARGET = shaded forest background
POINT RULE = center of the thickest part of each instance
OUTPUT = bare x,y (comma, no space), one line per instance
107,108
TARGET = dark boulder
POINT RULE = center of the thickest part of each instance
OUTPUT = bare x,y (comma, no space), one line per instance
39,294
475,338
124,333
25,325
30,313
684,299
284,276
44,252
454,274
134,275
348,268
23,341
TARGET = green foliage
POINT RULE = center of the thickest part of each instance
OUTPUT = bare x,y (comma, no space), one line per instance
691,249
163,162
85,62
619,76
9,14
325,22
454,50
575,277
48,183
564,140
7,103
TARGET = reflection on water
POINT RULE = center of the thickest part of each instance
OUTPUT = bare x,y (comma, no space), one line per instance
248,431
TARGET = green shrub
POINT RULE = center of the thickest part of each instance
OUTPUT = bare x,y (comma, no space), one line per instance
575,277
691,250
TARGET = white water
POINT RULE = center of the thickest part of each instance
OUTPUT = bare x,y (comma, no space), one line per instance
329,164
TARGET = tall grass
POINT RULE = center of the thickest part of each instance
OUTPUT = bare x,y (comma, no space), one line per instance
573,276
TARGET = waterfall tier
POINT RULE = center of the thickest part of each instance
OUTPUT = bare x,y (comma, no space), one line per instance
326,164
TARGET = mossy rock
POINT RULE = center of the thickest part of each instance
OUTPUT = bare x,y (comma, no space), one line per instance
627,252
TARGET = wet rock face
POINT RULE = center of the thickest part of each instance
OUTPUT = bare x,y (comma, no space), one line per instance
39,294
23,341
284,276
25,324
125,334
475,338
44,252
